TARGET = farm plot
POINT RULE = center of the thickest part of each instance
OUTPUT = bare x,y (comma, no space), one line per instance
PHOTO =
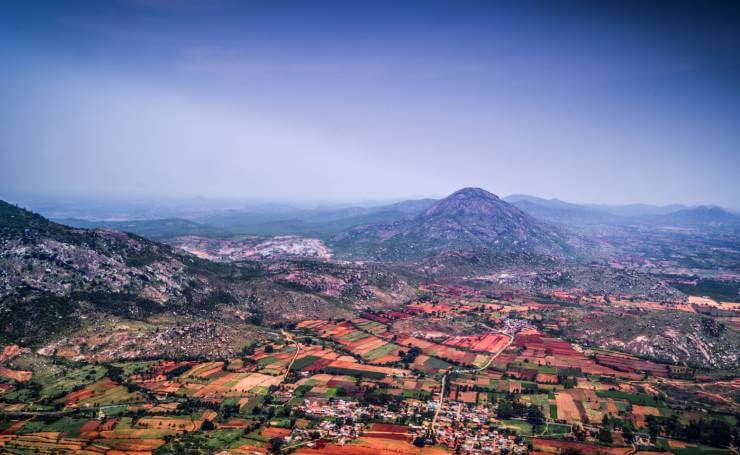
155,371
49,442
15,375
369,347
444,352
543,350
228,384
557,446
428,308
374,446
101,393
352,368
376,328
540,400
314,358
566,407
275,361
429,364
73,379
634,398
203,370
419,389
521,427
492,343
324,385
173,423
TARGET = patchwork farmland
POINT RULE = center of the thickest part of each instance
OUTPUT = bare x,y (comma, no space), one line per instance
508,383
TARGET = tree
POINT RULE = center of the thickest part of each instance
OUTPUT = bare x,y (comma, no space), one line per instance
208,426
411,355
504,410
248,349
276,444
653,427
605,435
535,416
719,433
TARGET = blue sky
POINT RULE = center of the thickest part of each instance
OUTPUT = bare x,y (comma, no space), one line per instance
341,101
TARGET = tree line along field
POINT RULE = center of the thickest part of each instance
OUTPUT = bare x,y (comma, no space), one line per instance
325,386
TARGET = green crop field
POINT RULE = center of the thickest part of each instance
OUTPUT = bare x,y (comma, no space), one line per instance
304,362
522,427
434,363
72,379
633,398
381,351
556,429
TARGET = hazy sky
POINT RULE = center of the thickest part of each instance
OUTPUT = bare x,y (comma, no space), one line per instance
338,101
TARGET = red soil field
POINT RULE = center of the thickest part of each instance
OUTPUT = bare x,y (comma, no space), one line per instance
275,432
551,446
16,375
394,436
374,446
389,428
489,342
631,364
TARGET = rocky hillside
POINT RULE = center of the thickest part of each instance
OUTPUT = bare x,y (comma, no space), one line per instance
53,278
670,336
469,219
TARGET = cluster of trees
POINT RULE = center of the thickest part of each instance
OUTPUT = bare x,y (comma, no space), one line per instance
379,397
508,408
610,422
714,432
177,371
411,355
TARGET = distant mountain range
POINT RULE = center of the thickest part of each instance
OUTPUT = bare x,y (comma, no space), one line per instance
557,211
267,220
327,222
676,215
469,219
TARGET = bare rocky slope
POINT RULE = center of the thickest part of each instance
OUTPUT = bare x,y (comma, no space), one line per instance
53,277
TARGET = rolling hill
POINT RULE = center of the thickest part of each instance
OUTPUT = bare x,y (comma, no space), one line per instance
151,229
319,222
